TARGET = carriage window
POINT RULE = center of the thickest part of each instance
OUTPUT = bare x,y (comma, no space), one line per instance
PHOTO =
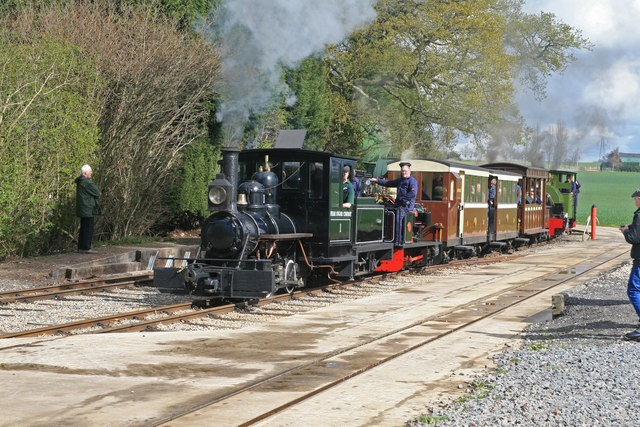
315,180
291,175
472,192
438,187
467,191
453,195
425,185
485,184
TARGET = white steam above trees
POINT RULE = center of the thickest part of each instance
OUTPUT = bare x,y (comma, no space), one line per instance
258,38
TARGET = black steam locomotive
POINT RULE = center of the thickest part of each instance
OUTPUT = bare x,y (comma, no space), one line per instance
278,222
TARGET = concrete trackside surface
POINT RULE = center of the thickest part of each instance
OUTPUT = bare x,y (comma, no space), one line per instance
133,259
144,378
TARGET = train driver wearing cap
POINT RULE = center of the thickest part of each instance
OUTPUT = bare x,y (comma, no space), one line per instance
405,198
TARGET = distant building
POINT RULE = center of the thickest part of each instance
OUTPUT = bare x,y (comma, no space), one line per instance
630,158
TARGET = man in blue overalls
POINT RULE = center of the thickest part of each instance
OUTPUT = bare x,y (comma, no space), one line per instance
405,197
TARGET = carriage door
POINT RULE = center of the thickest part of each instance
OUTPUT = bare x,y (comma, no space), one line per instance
340,219
492,213
456,205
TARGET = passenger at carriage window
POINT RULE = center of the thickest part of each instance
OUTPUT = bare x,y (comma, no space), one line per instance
549,200
405,197
491,199
437,187
532,197
348,193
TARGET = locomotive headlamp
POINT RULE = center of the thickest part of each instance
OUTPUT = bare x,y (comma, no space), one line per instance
220,194
217,195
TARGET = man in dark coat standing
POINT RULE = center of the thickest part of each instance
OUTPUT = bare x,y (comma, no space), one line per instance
405,197
87,207
575,190
491,202
631,234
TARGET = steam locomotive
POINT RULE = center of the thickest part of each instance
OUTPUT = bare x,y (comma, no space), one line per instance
278,222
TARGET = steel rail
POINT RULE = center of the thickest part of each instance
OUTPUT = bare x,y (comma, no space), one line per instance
100,321
81,287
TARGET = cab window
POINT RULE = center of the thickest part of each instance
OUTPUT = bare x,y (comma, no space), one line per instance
291,176
315,180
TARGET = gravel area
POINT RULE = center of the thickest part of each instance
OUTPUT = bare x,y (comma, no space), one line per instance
574,370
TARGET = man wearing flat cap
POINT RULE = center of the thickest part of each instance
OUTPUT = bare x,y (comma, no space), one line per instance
405,197
631,234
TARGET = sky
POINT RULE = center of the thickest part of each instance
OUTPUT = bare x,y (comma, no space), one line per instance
599,93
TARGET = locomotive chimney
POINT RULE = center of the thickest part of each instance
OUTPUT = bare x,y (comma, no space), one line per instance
230,169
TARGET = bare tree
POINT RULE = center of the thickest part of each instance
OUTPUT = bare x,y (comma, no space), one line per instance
534,152
154,82
613,158
560,143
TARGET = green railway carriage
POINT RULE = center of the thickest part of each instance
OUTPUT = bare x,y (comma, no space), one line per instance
559,187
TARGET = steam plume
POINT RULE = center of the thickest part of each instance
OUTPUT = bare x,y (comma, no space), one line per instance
257,38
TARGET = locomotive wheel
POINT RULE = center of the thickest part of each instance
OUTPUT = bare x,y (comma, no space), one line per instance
290,274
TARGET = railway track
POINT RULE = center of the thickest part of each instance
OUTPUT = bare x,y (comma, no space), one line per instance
75,288
331,369
150,319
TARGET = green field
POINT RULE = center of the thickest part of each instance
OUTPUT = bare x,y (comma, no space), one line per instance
611,193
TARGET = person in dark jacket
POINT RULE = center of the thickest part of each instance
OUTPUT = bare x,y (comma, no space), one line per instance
405,196
575,190
491,202
356,186
631,234
87,207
